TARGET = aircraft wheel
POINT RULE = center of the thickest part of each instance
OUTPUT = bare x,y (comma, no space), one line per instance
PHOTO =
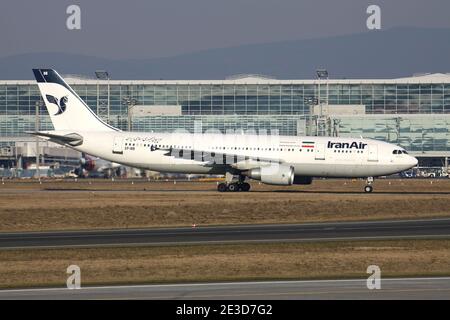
368,189
222,187
245,187
233,187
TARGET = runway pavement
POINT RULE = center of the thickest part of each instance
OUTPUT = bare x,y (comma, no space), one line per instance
431,228
407,288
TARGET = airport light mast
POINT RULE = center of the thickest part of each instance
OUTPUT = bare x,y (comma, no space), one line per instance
37,128
101,112
310,101
322,74
130,103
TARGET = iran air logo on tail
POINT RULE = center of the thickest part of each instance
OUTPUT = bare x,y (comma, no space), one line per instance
61,103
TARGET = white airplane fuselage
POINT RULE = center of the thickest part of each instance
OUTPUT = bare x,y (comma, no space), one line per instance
325,157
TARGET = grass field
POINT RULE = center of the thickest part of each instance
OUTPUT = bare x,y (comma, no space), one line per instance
30,206
30,268
92,204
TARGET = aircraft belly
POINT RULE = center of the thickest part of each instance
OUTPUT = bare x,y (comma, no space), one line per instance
314,169
344,170
179,168
364,170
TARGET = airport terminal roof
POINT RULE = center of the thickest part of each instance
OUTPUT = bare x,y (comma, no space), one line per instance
428,78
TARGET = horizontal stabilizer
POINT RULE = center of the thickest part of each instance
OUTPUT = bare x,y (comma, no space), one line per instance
61,137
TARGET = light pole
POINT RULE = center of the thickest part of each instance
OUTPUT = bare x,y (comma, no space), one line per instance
37,127
310,101
130,103
102,75
322,74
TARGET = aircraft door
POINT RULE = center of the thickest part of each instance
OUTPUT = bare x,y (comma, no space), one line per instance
373,152
320,151
118,145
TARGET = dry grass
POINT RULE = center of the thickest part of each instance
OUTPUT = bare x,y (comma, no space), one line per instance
28,206
29,268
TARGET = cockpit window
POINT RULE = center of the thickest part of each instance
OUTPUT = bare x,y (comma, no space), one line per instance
395,152
404,151
399,152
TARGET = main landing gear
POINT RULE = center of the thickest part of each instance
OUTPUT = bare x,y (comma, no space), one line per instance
233,187
228,185
368,188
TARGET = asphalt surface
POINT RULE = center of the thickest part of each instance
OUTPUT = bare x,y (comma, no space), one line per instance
408,229
407,288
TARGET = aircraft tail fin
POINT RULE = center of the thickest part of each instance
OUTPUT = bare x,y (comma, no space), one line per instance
67,110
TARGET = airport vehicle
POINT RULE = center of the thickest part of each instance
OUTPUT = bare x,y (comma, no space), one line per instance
272,159
90,166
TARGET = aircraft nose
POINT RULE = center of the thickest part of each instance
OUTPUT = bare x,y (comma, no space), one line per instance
413,161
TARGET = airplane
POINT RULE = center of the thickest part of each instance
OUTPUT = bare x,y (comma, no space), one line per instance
93,165
271,159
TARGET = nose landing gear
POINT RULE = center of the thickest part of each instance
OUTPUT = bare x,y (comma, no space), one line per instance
368,188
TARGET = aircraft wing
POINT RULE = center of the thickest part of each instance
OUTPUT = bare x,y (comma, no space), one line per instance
213,158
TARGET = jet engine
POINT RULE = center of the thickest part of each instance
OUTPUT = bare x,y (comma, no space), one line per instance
274,174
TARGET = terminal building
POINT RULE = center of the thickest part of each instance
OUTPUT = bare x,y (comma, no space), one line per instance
413,112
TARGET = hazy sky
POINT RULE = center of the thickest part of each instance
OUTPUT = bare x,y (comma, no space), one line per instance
160,28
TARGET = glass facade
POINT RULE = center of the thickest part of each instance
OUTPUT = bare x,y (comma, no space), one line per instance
426,134
281,125
393,108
